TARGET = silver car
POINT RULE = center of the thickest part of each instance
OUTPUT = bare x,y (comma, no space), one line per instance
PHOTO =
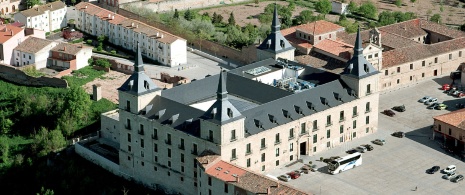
431,101
424,99
361,149
449,175
285,178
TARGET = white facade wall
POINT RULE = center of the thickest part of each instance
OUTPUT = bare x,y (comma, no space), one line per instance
49,21
57,19
82,57
339,8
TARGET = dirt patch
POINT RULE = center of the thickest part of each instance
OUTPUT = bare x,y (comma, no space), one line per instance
248,13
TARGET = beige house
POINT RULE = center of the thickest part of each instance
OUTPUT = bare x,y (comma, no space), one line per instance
47,17
9,6
451,127
404,53
255,118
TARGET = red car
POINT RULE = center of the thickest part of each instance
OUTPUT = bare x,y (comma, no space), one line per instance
445,87
294,175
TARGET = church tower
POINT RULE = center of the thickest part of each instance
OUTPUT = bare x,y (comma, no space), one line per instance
275,45
359,74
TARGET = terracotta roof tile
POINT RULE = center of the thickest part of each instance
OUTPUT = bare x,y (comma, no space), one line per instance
39,10
395,41
407,29
441,29
289,34
66,48
33,45
319,27
249,181
7,31
336,48
318,60
455,118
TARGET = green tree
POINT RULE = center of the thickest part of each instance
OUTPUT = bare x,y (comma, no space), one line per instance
206,17
368,10
5,122
77,103
231,20
323,6
46,142
189,15
102,63
256,1
342,17
73,2
176,14
413,2
436,18
4,149
441,8
31,3
398,3
44,191
305,17
352,7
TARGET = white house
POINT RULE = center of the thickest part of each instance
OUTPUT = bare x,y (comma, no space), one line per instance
33,51
339,7
48,17
165,48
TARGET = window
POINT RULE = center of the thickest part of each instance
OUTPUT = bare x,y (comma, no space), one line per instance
291,157
368,89
328,144
329,35
367,107
169,153
315,138
367,120
263,168
354,134
142,143
233,154
233,135
435,60
398,69
155,168
398,81
182,157
341,116
291,147
439,127
155,158
226,188
128,124
341,129
277,163
209,181
168,139
328,120
248,162
181,145
142,153
450,56
376,55
277,140
155,147
129,137
182,169
386,72
129,158
277,152
194,149
129,148
354,111
411,66
460,53
263,145
354,124
29,56
450,131
248,149
423,63
315,125
302,128
291,133
210,135
263,157
319,38
422,75
328,133
411,78
367,129
341,139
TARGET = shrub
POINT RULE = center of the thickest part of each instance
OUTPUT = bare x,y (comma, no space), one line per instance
113,51
103,63
89,42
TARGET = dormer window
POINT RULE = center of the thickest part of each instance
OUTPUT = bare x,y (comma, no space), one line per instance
272,118
365,67
146,85
310,106
230,113
286,114
258,124
213,112
282,44
337,96
298,109
324,101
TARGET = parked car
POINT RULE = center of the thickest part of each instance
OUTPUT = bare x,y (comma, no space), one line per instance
456,93
452,91
368,146
389,113
457,178
432,106
285,178
424,99
440,107
330,159
445,87
449,175
433,169
450,169
398,134
380,142
299,171
294,175
351,151
459,94
361,149
306,169
431,101
399,108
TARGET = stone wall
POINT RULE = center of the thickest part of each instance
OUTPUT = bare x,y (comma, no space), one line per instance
98,160
170,5
14,75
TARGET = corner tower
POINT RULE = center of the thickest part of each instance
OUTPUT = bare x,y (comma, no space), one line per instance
138,90
359,74
275,45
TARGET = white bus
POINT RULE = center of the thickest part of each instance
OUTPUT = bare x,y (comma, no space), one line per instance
345,163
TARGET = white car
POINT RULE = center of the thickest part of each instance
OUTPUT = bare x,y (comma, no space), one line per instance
285,178
450,169
449,175
424,99
361,149
431,101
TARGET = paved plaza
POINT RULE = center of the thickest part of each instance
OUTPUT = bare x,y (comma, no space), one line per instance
400,165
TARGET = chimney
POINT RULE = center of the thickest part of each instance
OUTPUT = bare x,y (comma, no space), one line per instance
137,26
277,184
237,179
162,36
132,24
85,7
157,34
268,191
64,48
109,16
113,17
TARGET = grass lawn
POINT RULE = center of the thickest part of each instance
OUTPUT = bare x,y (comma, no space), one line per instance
82,76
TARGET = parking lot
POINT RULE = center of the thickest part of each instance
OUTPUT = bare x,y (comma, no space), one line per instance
399,166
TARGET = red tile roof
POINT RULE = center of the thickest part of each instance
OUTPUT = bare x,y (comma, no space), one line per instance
7,31
455,118
39,10
289,34
336,48
67,48
396,41
441,29
407,29
33,45
249,181
319,27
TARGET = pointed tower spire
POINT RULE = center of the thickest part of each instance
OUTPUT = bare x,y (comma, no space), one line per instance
275,24
138,64
221,93
358,49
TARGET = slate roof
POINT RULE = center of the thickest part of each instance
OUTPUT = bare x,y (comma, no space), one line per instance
417,52
358,66
67,48
455,118
247,180
33,45
39,10
275,41
319,27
